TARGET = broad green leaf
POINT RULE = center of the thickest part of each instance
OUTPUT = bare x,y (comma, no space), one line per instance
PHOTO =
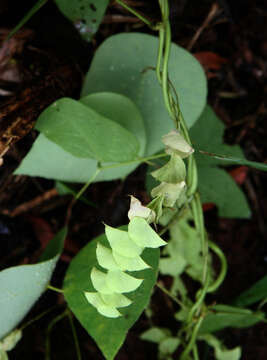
108,333
125,63
223,316
84,133
21,286
255,293
155,334
86,15
45,156
217,186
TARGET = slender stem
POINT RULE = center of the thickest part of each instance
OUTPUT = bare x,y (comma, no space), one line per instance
139,160
49,329
135,13
75,337
192,341
223,271
50,287
38,317
160,54
195,352
167,292
89,182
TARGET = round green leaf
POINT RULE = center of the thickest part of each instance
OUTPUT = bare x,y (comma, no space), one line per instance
49,160
108,333
124,64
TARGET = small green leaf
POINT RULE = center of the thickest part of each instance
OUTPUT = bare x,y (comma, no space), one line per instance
100,282
169,345
124,63
85,15
120,242
223,316
130,264
117,300
21,286
155,334
120,282
171,192
173,172
108,333
255,293
175,144
84,133
143,234
104,309
105,258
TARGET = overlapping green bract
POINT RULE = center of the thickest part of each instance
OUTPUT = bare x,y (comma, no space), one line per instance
123,255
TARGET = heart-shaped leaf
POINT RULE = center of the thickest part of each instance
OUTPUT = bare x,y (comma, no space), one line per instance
108,333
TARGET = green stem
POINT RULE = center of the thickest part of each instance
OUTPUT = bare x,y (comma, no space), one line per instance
75,337
223,271
192,341
50,287
89,182
139,160
195,352
167,292
38,317
135,13
49,329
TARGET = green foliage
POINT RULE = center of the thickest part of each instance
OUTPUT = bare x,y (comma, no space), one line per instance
116,107
222,316
86,15
215,185
108,333
183,252
255,293
131,59
161,336
84,133
21,286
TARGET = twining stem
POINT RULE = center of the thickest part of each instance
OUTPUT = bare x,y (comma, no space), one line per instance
167,292
49,329
38,317
75,337
190,346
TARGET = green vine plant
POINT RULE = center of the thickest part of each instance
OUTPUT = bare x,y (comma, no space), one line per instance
109,282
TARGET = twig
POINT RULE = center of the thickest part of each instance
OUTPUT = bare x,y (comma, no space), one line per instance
211,14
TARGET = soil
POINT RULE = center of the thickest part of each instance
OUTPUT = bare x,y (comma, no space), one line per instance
229,38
